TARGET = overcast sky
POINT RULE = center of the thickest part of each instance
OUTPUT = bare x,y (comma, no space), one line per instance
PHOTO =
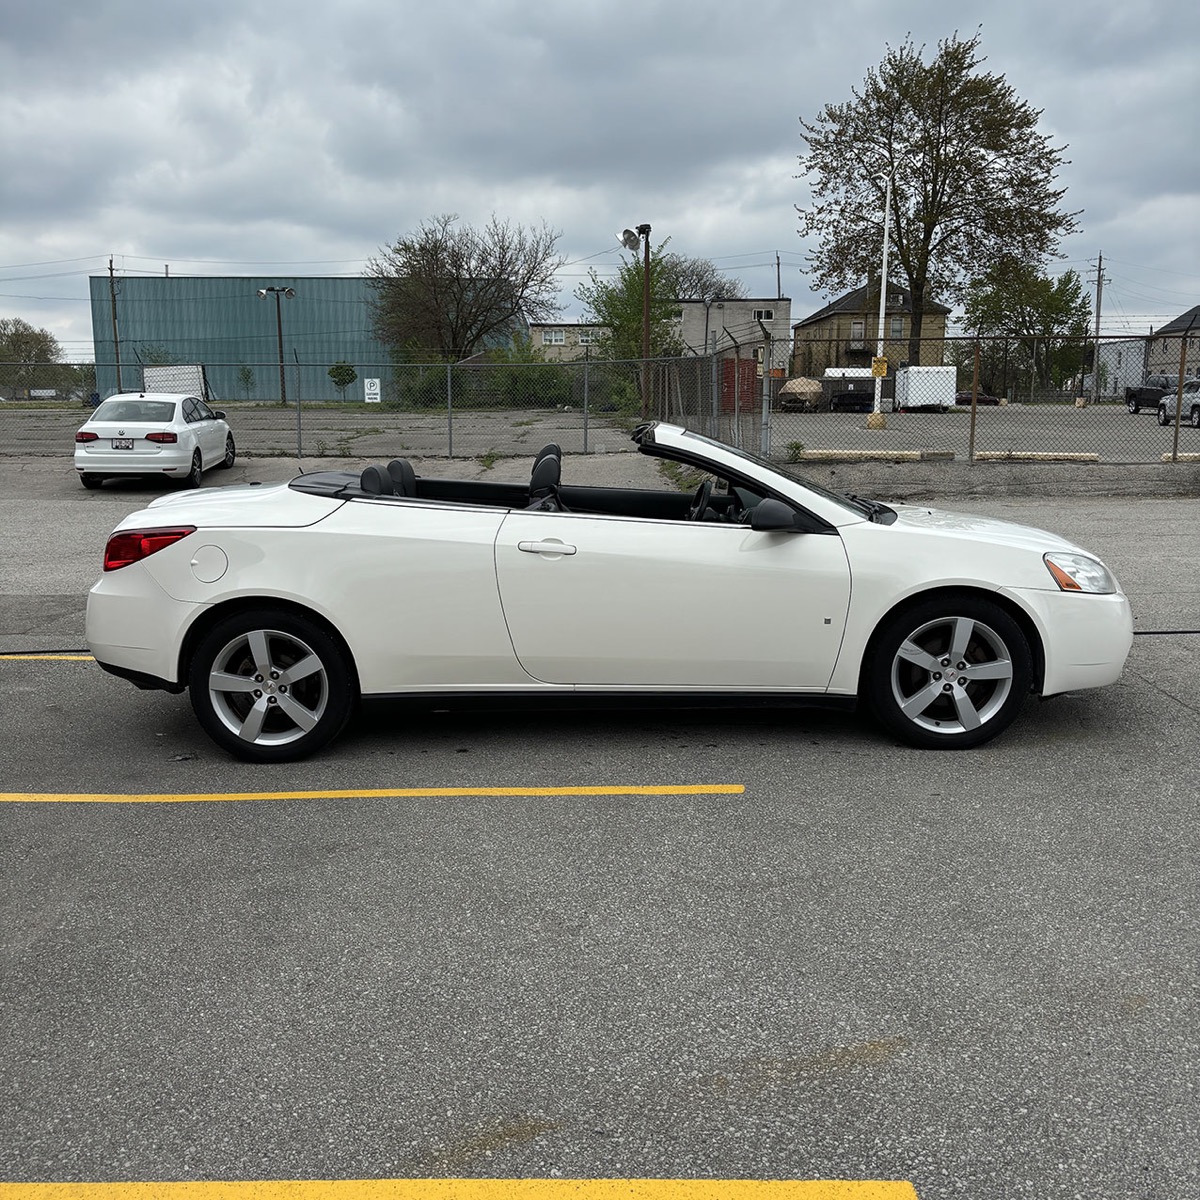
262,137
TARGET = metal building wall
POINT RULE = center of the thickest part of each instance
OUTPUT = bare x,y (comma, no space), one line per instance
221,322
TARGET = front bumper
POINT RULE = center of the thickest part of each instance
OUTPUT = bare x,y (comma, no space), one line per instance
1086,638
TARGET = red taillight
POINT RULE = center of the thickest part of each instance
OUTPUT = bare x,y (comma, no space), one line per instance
84,436
161,437
133,545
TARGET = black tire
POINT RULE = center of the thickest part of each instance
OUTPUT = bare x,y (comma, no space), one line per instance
230,454
276,714
1195,414
193,478
1163,419
914,681
91,481
1133,406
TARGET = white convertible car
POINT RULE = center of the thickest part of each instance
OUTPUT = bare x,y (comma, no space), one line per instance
279,606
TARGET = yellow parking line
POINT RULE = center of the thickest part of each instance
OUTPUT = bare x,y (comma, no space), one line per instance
680,789
47,658
471,1189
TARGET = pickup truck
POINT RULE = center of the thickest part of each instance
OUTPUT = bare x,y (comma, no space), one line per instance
1150,393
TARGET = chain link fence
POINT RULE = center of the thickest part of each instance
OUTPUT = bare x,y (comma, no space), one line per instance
995,399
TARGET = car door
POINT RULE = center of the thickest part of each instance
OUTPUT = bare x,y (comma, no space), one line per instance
209,433
625,602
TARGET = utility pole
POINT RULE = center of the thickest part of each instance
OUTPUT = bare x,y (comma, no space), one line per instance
1096,346
112,300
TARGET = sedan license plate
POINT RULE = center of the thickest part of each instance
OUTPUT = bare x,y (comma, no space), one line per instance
122,443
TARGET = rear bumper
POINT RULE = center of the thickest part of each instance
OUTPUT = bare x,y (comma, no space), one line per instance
135,630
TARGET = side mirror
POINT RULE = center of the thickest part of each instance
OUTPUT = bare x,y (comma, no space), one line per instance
773,516
218,414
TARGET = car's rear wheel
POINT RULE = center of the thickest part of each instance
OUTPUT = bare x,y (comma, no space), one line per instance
230,454
949,673
91,481
1133,406
270,686
195,472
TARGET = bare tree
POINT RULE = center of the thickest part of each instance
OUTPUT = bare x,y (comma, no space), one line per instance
447,288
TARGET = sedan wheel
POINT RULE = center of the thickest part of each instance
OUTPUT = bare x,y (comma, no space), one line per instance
91,481
269,686
1196,418
950,673
196,474
230,454
1163,419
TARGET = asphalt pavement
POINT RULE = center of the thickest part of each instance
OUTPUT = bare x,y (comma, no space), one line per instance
460,945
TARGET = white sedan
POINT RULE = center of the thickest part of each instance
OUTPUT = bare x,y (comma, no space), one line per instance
279,606
152,433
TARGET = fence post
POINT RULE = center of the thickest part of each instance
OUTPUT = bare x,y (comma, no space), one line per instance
587,358
974,402
449,412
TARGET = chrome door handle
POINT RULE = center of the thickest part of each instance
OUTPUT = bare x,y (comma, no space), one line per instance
545,548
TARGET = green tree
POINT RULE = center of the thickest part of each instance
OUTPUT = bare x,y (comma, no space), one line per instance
1048,318
246,380
972,179
25,356
618,305
448,290
343,375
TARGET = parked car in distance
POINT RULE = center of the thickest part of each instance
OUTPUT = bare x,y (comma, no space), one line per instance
980,398
1149,393
152,433
279,607
1190,411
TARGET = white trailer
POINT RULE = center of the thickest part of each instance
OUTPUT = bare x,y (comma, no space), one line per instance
924,388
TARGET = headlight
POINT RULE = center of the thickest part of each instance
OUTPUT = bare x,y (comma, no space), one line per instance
1080,573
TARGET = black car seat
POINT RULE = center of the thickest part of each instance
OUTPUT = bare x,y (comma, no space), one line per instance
403,477
551,448
543,484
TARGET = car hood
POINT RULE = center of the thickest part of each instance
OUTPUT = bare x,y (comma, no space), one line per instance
988,529
272,505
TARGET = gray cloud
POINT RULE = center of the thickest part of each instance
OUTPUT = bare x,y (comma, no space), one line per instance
262,136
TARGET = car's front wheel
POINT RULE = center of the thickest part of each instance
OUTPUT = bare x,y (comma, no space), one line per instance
270,686
1163,419
949,673
1195,418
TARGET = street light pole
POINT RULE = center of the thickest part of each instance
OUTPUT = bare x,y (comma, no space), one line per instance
629,239
263,293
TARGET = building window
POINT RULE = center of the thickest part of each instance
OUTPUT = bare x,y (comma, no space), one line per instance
587,337
858,334
896,327
764,314
554,337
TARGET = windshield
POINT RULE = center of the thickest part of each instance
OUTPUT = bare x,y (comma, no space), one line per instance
851,504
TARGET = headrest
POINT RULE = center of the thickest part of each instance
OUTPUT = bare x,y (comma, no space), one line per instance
553,448
375,481
403,477
546,474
